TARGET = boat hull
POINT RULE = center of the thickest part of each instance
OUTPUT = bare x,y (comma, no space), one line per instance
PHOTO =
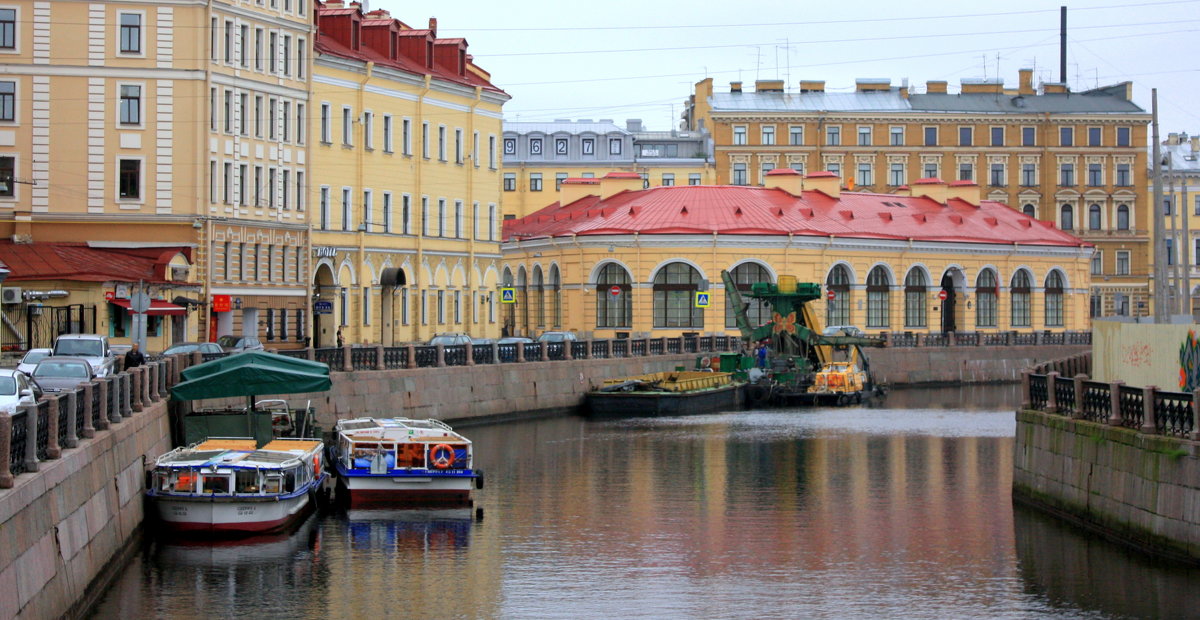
361,489
656,404
231,516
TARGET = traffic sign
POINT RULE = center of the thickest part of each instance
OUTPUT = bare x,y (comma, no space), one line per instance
831,295
942,294
614,290
508,295
109,295
702,299
139,302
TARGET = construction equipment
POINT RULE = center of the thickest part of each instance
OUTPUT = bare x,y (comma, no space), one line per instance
803,362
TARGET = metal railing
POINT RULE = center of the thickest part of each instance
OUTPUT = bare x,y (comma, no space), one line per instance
1146,410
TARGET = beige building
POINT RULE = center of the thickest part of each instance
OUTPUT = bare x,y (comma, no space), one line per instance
1181,209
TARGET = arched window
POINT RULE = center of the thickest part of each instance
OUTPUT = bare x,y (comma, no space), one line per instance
1122,217
523,298
1067,222
1054,299
1020,289
915,289
613,310
1029,210
985,298
556,296
675,287
1094,217
837,310
539,298
757,311
879,288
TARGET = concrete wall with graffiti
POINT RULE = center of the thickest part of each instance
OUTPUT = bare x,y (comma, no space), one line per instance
1165,356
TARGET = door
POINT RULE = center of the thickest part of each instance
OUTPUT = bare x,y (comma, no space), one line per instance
948,304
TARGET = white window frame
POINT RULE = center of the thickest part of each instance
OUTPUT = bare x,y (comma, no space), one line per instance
347,208
406,135
368,123
15,187
326,213
388,215
347,126
326,123
141,124
141,199
406,213
16,48
142,25
387,133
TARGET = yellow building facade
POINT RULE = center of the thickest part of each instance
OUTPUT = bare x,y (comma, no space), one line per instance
1076,160
1180,171
406,193
613,259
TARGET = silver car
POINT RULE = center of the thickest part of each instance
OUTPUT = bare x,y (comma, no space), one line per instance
58,373
32,357
16,390
92,347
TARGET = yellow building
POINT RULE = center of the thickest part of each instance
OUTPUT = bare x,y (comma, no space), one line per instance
406,191
1077,160
538,157
614,259
1180,155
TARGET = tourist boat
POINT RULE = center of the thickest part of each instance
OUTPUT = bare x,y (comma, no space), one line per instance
673,393
401,461
230,486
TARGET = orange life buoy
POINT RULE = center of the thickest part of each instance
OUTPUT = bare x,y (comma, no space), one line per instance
443,461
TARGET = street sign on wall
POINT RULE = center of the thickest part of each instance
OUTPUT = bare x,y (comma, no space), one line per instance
322,307
221,303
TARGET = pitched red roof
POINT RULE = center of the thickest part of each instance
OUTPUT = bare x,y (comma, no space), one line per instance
741,210
78,262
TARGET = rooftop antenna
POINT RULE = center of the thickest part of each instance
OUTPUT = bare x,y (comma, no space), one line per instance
1062,43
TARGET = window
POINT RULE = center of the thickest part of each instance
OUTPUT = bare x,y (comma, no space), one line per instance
1020,299
368,209
915,292
228,42
1066,136
930,171
273,53
1028,175
130,179
739,135
1123,177
559,177
243,113
966,136
864,174
346,208
475,149
271,176
693,178
1054,299
835,168
8,101
286,116
131,33
368,130
739,175
441,143
896,136
272,117
287,54
458,146
1122,217
491,222
1170,243
675,287
299,190
347,126
227,184
931,136
1122,136
492,152
796,135
258,49
996,177
864,136
510,181
212,43
758,312
1029,210
212,182
8,170
131,105
1028,136
986,288
535,181
326,134
441,217
459,221
243,183
668,179
1097,266
387,133
425,139
879,287
1196,250
1094,217
1196,205
1066,175
833,136
1067,218
406,135
896,175
768,135
1122,262
300,121
1094,136
300,57
837,310
798,166
324,206
614,146
244,45
587,146
997,136
966,171
406,214
1095,175
1167,204
8,29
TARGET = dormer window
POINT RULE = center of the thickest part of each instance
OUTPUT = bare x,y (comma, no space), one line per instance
462,61
355,33
429,54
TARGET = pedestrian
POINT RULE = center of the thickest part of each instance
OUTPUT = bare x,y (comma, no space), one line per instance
341,342
761,354
134,357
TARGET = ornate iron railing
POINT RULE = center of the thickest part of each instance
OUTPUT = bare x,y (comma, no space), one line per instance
1173,413
363,358
508,352
17,441
1097,401
533,351
425,355
455,355
482,354
1064,394
331,356
43,429
1133,410
556,350
64,419
579,349
395,357
1038,394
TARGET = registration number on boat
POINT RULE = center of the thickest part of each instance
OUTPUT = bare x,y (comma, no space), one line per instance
245,510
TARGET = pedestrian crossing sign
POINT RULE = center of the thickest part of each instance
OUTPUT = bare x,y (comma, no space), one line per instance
508,295
701,299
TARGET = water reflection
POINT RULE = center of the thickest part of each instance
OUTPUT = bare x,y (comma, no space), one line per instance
902,510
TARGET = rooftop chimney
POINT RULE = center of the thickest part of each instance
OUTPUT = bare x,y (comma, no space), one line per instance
1055,88
870,85
966,191
932,188
633,124
768,86
616,182
574,189
975,86
735,87
827,183
935,87
785,179
1025,85
812,86
433,26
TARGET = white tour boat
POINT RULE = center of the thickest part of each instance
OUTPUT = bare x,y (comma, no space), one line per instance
403,461
228,486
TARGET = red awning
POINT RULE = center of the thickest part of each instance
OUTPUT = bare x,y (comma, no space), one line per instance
158,307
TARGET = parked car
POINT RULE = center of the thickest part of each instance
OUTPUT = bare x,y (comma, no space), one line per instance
188,347
450,339
59,373
842,330
119,350
237,344
16,390
557,337
32,357
92,347
482,342
514,340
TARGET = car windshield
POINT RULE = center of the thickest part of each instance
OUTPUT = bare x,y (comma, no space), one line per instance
444,340
60,369
87,348
8,386
227,341
34,357
181,348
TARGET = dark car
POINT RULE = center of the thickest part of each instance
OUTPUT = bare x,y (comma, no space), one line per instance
237,344
59,373
189,347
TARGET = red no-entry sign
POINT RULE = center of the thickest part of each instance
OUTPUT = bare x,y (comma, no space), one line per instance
830,295
614,290
942,294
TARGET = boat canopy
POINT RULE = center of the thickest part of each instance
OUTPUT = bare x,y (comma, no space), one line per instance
251,373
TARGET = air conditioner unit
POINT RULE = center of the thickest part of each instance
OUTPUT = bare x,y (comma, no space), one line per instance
12,295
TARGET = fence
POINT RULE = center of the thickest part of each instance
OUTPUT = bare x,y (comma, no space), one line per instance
984,339
1147,409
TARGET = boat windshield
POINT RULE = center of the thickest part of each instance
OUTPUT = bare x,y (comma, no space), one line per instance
215,484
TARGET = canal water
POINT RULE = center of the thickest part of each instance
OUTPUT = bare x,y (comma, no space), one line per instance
901,509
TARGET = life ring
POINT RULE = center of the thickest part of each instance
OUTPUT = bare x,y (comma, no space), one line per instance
445,460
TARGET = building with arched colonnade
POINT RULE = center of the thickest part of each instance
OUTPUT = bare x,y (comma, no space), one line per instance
612,258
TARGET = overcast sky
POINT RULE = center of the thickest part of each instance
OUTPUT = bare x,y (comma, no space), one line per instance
624,59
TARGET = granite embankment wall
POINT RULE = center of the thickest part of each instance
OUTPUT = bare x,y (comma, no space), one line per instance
900,366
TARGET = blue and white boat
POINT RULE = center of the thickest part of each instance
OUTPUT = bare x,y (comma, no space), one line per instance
400,461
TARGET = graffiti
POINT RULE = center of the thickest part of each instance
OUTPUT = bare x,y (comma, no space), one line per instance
1189,362
1136,355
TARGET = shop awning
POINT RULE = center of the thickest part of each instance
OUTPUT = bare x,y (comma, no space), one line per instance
158,307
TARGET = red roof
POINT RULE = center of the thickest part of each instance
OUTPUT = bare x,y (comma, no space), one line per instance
78,262
741,210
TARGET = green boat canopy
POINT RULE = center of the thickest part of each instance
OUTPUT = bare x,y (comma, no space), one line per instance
252,373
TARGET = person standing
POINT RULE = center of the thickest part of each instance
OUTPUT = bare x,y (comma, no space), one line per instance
761,354
134,357
341,342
